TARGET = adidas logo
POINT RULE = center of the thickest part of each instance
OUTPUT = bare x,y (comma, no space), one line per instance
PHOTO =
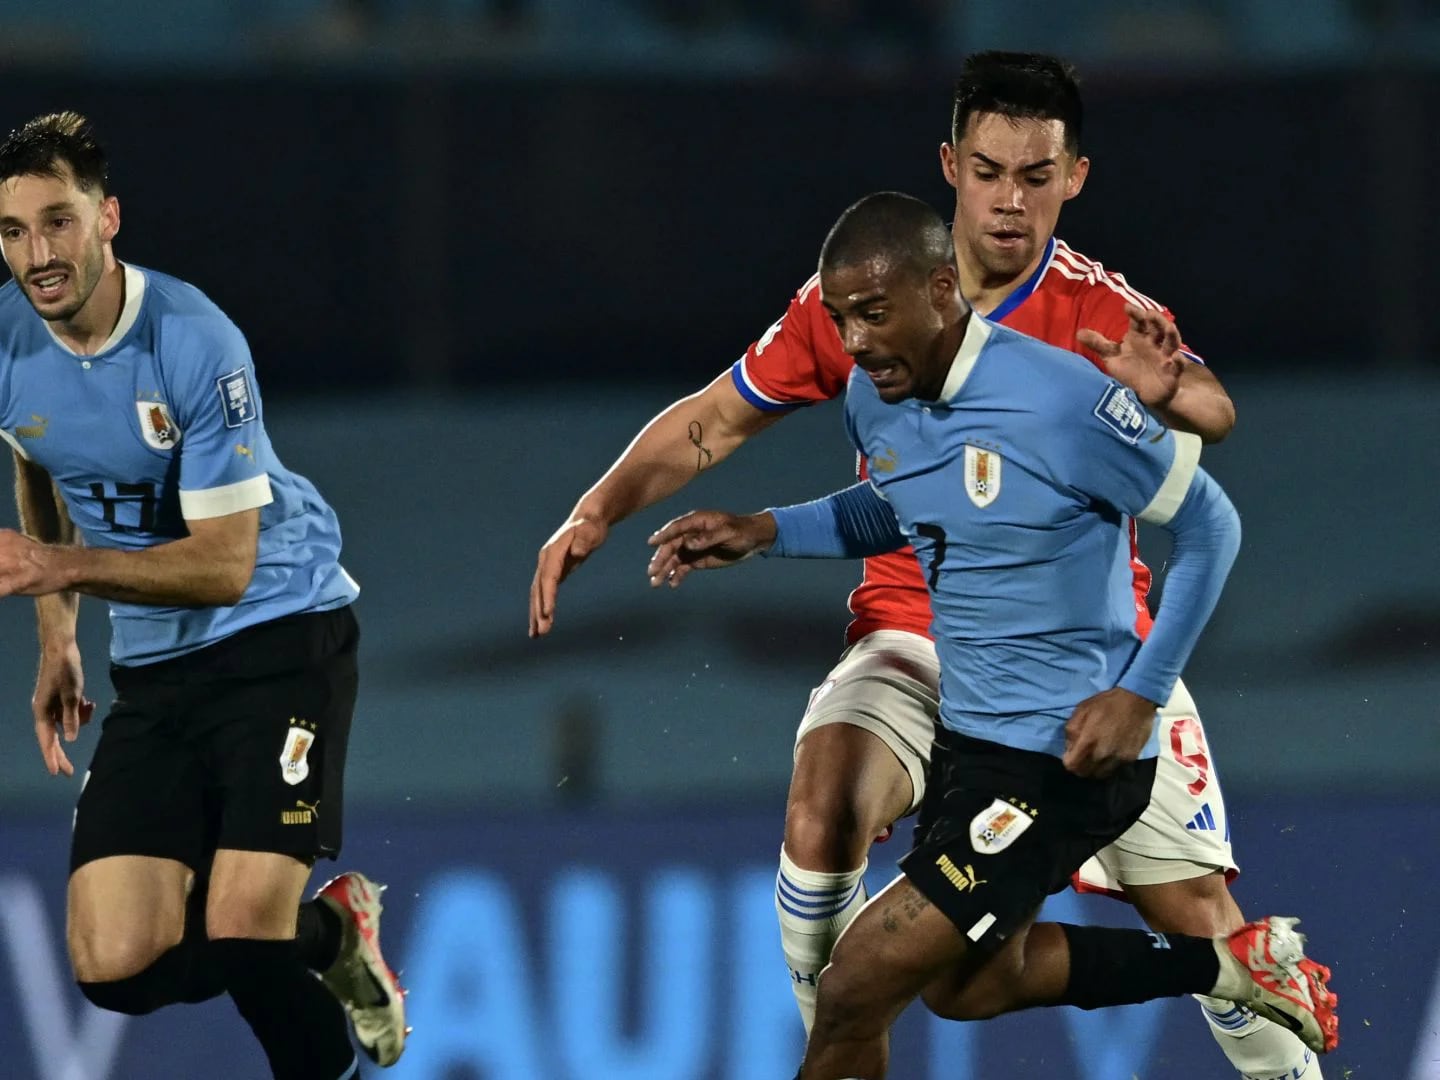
1204,820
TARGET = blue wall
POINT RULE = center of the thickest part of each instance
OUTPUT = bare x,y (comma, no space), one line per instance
642,946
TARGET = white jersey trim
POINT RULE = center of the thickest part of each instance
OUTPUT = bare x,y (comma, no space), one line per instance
227,499
1177,481
977,333
1071,264
14,443
1077,267
134,294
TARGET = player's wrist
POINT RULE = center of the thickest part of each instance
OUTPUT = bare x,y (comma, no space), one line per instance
600,512
60,568
1144,688
52,647
762,530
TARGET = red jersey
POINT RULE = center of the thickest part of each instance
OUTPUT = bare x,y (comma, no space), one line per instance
799,361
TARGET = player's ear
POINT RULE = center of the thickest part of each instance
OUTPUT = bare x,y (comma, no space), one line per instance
1076,179
950,164
944,283
109,218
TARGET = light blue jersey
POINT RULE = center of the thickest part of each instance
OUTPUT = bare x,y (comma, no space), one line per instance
1016,489
162,425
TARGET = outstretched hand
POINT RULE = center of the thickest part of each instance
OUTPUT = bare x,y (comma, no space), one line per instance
59,706
1147,360
706,540
1107,730
571,545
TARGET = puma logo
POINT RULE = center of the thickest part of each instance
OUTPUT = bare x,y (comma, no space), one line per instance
303,814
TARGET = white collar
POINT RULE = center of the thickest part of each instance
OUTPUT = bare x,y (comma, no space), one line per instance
977,333
134,294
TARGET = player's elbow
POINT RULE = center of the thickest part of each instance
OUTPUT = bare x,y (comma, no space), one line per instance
221,555
231,574
1220,422
227,588
234,591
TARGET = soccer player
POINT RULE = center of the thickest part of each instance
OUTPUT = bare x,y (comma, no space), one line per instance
863,744
144,475
1013,469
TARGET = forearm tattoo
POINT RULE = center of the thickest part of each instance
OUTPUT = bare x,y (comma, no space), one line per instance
703,456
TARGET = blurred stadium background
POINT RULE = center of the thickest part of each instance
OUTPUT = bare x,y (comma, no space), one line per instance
476,244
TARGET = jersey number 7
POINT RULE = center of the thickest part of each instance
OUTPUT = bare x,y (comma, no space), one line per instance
936,536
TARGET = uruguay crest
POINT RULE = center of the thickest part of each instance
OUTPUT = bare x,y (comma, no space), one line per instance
999,825
157,426
294,763
982,475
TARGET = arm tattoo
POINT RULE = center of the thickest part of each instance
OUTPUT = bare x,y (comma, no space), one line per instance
703,456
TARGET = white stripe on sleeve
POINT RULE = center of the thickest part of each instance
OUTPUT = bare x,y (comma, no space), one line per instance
1177,481
229,499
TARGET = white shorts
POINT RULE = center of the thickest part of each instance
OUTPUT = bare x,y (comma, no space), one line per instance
1185,831
888,684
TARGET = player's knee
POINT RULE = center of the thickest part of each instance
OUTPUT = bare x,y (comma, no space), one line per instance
842,1000
825,833
979,995
979,999
101,955
849,980
951,1002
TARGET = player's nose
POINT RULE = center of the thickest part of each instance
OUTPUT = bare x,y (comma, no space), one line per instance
1008,197
855,340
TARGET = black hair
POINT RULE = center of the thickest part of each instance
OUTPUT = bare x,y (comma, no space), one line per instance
49,143
1022,86
891,225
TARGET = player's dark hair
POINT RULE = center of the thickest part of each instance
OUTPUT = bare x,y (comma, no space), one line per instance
892,225
1022,86
49,143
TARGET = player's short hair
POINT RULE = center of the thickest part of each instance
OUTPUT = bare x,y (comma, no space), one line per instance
891,225
49,143
1022,86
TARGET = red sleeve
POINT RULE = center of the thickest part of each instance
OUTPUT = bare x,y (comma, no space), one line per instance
1103,309
798,361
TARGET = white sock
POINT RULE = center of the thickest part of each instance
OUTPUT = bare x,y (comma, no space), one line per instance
1259,1049
813,909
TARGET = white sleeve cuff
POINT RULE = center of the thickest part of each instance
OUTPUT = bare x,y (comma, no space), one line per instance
1177,481
229,499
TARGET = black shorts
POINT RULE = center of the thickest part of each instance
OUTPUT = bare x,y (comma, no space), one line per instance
1001,829
240,745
